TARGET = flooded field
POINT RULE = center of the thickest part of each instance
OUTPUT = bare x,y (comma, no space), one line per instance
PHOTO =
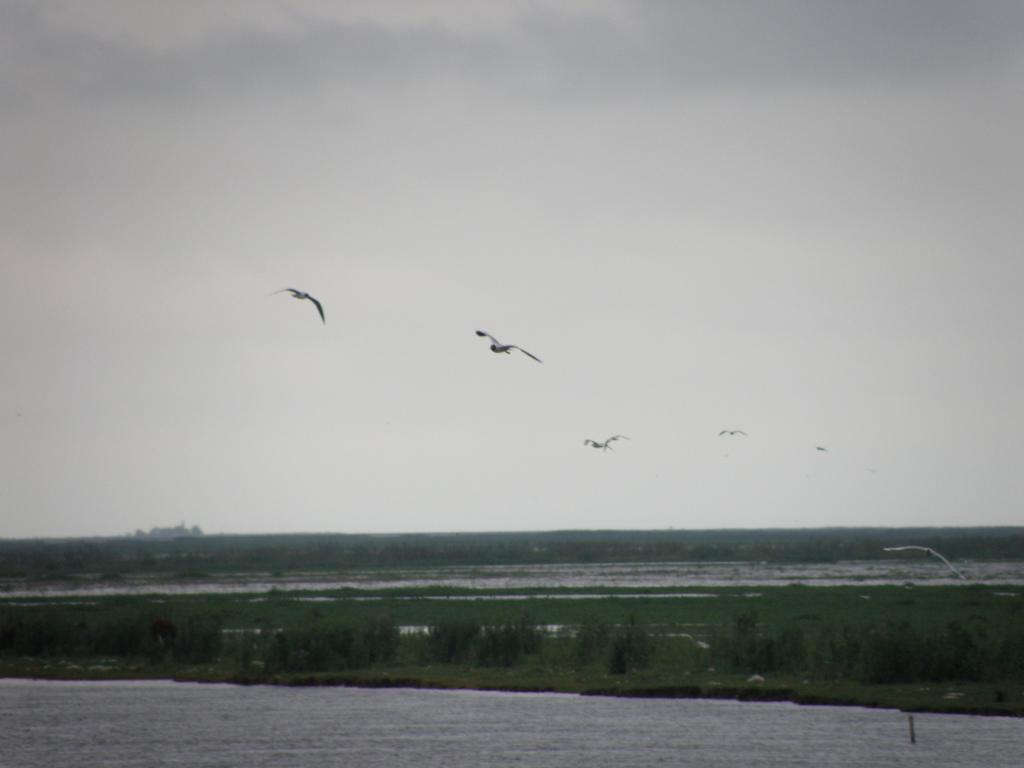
684,576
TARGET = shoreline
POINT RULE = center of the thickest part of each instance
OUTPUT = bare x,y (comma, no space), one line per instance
741,693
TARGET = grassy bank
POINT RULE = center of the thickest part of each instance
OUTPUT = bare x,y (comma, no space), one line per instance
1003,699
934,648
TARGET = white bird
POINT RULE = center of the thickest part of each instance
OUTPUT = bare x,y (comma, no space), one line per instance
930,551
303,295
733,432
605,445
497,346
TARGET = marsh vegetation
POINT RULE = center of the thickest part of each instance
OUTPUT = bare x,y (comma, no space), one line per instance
948,647
906,646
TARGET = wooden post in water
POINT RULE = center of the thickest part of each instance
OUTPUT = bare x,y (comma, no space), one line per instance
913,739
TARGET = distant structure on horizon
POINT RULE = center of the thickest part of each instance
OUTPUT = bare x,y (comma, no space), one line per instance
176,532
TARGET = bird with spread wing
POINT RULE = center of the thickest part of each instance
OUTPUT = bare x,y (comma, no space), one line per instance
930,551
606,445
497,346
303,295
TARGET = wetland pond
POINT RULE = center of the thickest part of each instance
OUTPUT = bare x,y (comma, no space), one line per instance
160,723
618,575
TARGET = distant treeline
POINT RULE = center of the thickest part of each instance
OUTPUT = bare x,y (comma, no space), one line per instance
207,555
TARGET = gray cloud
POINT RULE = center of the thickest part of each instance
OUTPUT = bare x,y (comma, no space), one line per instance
802,42
670,48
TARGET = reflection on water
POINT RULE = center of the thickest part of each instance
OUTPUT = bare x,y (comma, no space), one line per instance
116,725
621,575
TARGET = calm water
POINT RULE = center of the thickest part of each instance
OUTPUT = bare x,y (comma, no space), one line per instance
114,725
919,570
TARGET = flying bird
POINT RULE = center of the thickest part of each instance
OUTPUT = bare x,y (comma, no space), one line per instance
605,445
930,551
733,432
303,295
497,346
821,448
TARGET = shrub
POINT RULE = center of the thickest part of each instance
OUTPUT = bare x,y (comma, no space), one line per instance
892,653
452,641
631,648
1010,655
43,636
119,638
834,653
503,645
591,642
198,640
278,654
954,655
380,638
790,650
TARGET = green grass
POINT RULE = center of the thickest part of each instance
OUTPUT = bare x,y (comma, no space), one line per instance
776,607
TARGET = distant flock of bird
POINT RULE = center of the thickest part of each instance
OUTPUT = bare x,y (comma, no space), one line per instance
498,348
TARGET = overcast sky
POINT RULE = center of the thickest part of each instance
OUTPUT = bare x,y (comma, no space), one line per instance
799,219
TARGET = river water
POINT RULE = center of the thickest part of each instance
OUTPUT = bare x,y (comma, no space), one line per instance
122,724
